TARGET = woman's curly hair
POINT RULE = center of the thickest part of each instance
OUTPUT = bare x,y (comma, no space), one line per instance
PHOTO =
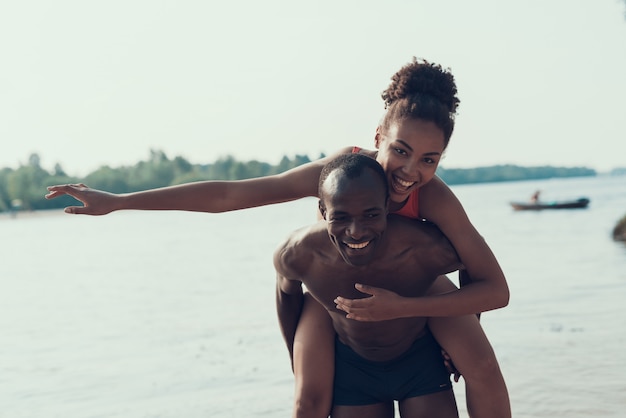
422,90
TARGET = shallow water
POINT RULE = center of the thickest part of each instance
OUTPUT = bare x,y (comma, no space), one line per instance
145,314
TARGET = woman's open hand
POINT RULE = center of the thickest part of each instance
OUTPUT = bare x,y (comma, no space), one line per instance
95,202
381,305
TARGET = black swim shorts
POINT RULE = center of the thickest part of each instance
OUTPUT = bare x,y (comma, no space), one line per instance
418,371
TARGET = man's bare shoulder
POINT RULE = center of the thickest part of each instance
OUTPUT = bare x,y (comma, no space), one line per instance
301,248
415,228
423,239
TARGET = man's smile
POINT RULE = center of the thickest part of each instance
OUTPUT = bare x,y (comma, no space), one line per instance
356,246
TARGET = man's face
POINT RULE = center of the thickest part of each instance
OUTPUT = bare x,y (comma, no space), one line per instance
356,215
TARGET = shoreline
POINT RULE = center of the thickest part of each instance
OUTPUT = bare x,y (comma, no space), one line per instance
31,214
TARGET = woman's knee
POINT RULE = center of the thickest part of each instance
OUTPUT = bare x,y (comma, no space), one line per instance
481,369
312,402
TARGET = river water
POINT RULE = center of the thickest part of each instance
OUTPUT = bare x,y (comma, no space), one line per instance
171,314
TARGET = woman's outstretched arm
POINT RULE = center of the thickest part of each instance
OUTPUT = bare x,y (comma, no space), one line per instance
202,196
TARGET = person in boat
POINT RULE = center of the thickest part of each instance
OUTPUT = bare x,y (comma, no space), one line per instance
421,103
376,363
535,197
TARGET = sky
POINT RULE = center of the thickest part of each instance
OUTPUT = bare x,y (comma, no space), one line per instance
91,83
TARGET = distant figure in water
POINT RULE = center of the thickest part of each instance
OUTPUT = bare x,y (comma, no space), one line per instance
535,197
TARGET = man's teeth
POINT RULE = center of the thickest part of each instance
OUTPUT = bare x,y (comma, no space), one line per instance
358,246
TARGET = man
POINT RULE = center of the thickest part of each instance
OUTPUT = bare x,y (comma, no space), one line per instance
376,363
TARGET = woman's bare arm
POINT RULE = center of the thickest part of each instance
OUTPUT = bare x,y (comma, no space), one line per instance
486,290
203,196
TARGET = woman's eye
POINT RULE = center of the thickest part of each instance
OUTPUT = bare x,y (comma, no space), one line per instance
400,151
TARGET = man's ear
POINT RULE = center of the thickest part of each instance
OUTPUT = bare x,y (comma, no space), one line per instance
378,137
322,209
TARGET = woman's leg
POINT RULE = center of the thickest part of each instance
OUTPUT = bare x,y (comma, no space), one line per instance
464,340
313,361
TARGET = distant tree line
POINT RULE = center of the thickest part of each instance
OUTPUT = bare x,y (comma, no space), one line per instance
23,188
500,173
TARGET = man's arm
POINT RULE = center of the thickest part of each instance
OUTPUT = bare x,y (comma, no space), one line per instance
289,302
289,296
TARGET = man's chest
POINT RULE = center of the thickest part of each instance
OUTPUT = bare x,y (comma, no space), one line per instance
327,283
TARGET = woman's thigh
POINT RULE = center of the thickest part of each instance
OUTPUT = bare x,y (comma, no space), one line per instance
462,337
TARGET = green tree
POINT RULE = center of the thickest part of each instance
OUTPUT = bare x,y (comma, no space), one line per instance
222,169
58,171
4,193
25,185
109,179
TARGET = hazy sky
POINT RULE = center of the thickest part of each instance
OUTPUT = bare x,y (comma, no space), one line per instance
87,83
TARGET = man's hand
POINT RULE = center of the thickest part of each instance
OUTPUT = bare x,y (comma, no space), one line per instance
382,304
95,202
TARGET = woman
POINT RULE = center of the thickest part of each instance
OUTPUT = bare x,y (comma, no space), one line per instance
421,104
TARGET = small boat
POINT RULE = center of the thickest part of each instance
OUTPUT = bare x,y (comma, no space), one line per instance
581,203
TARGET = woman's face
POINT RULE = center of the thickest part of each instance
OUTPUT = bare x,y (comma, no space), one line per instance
409,151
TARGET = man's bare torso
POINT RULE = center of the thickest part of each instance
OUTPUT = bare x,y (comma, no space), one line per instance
413,256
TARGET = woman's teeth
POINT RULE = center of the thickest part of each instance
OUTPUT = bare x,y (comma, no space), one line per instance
405,183
401,186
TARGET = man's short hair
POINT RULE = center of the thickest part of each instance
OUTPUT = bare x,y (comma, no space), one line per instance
352,166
